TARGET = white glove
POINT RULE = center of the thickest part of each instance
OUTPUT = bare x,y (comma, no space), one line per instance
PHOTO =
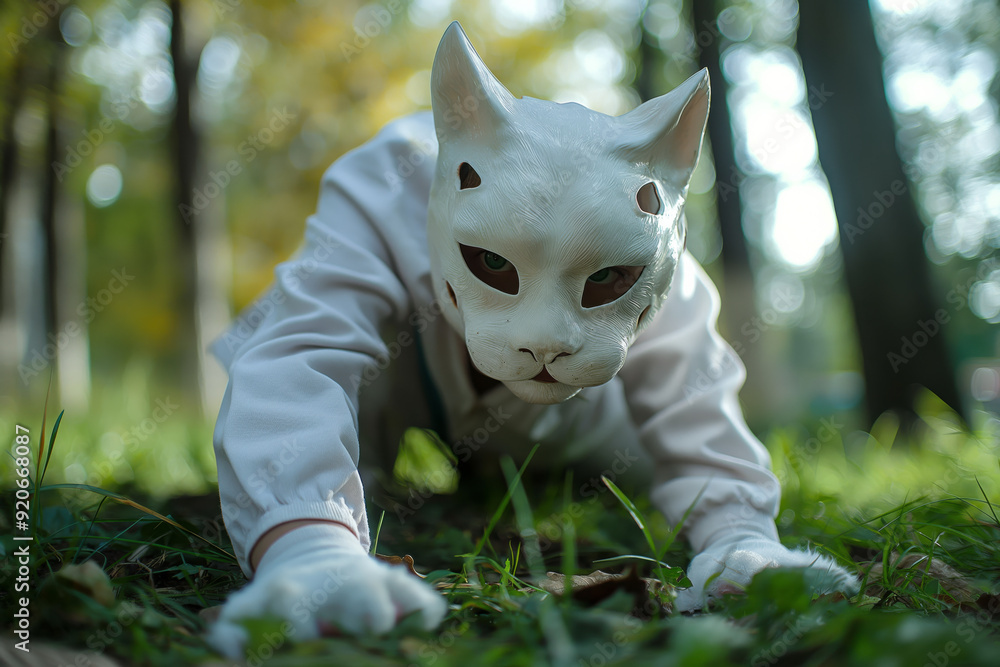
737,563
319,574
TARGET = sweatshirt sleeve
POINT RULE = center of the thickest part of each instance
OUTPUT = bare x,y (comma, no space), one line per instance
286,439
681,379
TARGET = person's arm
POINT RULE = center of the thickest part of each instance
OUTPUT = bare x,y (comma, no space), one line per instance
286,439
681,381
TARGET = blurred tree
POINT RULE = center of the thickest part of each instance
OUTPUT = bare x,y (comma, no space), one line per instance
53,54
186,151
735,256
8,156
881,234
739,307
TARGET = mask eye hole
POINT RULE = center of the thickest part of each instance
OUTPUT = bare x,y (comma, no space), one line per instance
648,199
491,268
468,177
609,284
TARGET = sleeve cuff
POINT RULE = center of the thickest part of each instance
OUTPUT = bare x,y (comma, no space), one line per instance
729,523
330,511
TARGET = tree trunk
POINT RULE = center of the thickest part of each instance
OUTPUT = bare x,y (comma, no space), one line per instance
64,238
881,235
738,302
735,257
8,163
9,352
645,79
186,145
50,184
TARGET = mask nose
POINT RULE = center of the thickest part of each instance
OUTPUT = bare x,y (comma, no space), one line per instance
551,343
546,354
547,329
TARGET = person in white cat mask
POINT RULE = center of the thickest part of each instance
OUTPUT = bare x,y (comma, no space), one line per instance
544,242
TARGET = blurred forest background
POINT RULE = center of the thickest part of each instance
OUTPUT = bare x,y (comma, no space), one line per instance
158,158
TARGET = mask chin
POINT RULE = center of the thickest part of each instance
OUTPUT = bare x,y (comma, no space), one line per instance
542,393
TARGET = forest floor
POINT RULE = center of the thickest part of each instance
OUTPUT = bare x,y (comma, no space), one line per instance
121,578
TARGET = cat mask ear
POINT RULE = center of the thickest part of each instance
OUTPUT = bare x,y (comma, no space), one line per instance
666,132
468,101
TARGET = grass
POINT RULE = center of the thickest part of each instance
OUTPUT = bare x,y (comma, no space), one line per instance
125,573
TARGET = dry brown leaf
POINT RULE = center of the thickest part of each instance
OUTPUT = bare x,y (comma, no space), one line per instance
400,560
210,614
591,589
89,579
956,588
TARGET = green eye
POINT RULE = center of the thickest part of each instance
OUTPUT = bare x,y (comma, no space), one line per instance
491,268
609,284
493,261
600,276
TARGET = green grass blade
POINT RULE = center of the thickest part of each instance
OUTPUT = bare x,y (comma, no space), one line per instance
378,531
524,517
52,441
637,516
41,452
987,500
568,539
676,530
124,500
502,507
612,559
41,439
90,527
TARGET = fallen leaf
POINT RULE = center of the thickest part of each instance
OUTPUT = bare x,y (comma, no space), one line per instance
210,614
89,579
400,560
594,588
956,589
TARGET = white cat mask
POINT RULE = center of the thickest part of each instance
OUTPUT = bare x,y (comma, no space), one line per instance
554,230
